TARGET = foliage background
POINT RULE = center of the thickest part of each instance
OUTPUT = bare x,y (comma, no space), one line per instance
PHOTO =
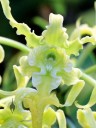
35,13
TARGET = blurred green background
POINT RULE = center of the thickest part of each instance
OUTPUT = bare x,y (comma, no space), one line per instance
35,13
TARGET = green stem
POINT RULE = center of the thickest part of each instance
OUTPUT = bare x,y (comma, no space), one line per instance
37,116
88,79
85,54
14,44
90,69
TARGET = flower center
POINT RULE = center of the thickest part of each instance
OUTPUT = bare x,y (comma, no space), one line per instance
51,56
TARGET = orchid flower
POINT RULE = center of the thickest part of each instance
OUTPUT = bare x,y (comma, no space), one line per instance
48,64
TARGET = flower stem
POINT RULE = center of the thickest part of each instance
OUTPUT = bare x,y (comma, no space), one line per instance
88,79
14,44
85,54
90,69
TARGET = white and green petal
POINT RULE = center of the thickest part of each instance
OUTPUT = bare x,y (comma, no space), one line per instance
50,60
45,82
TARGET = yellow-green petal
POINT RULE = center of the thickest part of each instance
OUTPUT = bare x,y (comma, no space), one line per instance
61,119
74,47
25,68
91,101
21,79
86,118
74,92
55,34
49,117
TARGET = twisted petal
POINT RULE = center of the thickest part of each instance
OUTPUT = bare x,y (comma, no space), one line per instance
74,92
61,119
91,101
22,29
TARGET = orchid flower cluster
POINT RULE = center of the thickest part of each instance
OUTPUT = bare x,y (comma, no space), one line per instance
47,65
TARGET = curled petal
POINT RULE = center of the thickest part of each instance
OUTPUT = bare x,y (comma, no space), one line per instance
74,92
88,39
85,30
49,117
86,118
91,102
61,119
81,30
77,41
